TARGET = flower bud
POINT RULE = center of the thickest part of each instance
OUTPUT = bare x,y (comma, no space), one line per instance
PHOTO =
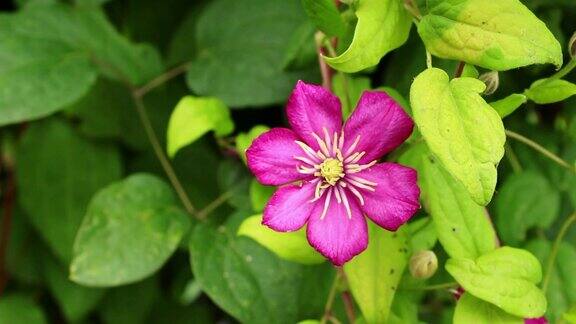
491,80
423,264
572,46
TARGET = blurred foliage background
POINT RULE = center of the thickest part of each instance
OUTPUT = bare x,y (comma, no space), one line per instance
85,134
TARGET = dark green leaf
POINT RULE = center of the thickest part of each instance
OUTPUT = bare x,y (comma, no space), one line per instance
524,201
130,304
20,309
75,301
64,45
238,61
325,16
250,282
130,230
58,172
561,291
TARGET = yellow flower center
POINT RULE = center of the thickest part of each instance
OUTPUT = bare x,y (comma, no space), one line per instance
332,170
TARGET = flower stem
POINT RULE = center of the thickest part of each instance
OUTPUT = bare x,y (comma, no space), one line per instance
330,300
168,169
552,258
540,149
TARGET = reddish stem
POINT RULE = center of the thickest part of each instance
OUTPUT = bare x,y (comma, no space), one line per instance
8,206
459,69
349,306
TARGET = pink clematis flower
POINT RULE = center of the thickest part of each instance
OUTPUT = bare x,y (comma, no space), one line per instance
328,173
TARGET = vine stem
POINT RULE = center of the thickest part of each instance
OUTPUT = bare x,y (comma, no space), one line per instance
540,149
166,165
161,79
513,159
552,258
564,71
215,204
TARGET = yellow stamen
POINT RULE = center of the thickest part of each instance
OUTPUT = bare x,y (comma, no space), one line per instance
332,170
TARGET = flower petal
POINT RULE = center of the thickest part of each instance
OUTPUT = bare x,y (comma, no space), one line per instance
289,208
396,197
381,124
310,108
271,157
336,236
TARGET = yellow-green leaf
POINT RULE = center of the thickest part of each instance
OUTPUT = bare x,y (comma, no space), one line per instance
470,309
505,277
497,35
460,128
383,25
508,105
374,275
194,117
548,91
292,246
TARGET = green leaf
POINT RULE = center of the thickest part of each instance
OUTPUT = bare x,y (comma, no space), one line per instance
373,276
107,112
292,246
27,67
508,105
250,283
20,309
570,316
383,25
547,91
244,140
470,309
194,117
561,292
325,16
75,301
423,235
58,172
259,195
404,308
301,49
470,71
241,64
130,230
496,35
464,228
349,89
24,251
525,200
460,128
505,277
63,46
130,304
